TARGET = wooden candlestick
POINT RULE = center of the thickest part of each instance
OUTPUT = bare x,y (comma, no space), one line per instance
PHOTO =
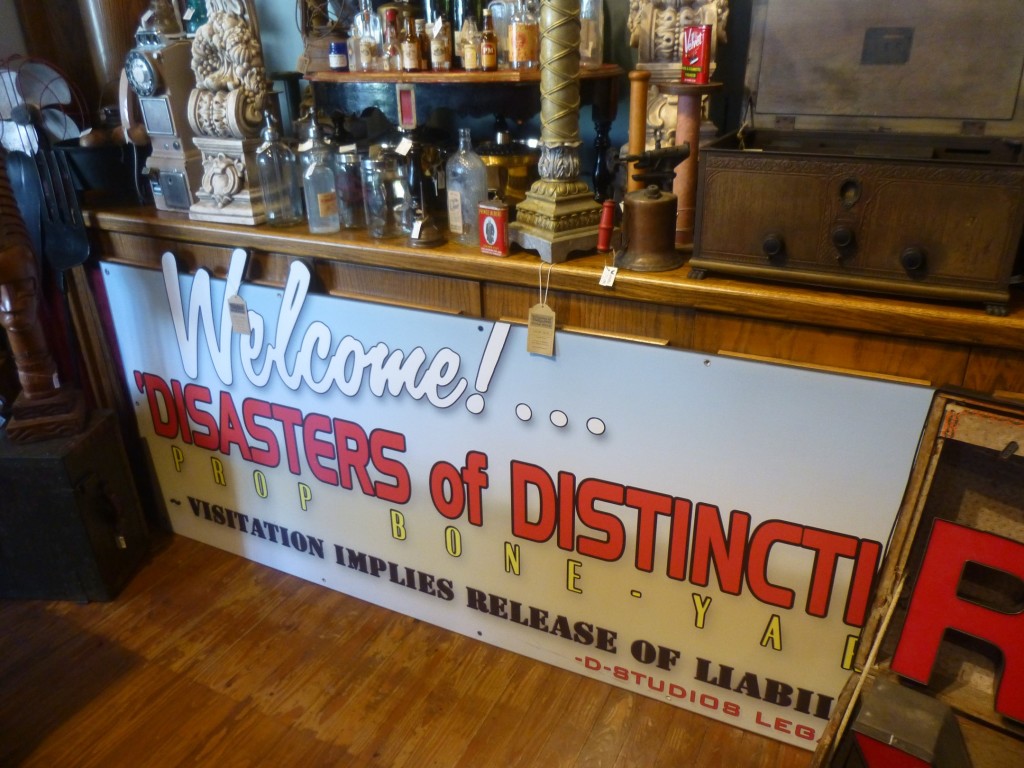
684,187
638,82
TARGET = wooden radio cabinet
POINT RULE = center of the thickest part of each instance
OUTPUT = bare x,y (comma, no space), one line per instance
882,152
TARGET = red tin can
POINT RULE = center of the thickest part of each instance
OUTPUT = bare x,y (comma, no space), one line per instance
696,49
494,228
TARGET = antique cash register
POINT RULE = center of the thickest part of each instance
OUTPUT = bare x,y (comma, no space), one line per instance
881,151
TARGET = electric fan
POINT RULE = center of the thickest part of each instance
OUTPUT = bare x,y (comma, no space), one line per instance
35,82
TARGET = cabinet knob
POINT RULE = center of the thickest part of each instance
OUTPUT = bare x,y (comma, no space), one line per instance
843,237
844,240
913,260
773,247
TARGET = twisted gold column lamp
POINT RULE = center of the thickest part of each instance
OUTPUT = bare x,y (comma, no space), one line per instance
559,215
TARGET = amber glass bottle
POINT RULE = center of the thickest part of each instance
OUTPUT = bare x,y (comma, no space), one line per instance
488,44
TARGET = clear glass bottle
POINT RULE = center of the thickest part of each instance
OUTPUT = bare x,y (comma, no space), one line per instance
440,45
321,194
467,188
279,177
488,44
470,45
591,33
311,143
391,56
458,12
523,38
410,45
366,26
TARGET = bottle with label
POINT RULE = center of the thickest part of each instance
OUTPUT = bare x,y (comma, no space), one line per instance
410,45
440,45
488,44
470,45
321,194
458,12
279,177
523,38
391,56
467,188
337,56
424,41
366,26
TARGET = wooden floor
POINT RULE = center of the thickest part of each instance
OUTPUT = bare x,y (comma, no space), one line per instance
209,659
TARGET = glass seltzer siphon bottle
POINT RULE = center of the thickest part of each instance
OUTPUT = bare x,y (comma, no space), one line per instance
279,177
467,188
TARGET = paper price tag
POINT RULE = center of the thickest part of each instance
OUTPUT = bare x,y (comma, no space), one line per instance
404,146
239,313
540,330
608,276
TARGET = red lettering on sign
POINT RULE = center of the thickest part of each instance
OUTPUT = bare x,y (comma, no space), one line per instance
936,606
879,755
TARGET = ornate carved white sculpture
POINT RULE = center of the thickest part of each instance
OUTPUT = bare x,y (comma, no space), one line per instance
655,29
225,110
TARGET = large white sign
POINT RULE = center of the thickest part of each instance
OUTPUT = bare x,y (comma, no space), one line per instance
697,529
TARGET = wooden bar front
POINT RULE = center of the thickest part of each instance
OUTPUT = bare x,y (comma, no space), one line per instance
926,341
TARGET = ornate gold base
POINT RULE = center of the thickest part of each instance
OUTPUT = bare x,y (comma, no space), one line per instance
61,415
557,218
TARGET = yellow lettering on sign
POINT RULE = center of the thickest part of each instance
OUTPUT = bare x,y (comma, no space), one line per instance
773,633
397,525
512,556
453,541
700,605
178,456
259,481
849,651
305,496
572,575
218,471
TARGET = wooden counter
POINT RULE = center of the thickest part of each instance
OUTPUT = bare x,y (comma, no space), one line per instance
939,344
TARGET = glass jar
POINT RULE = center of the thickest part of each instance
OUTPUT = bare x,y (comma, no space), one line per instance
348,183
321,195
383,198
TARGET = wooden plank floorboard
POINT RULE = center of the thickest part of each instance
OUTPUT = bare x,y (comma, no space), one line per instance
208,659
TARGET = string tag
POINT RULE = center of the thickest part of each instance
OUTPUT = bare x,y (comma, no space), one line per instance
239,313
540,321
608,276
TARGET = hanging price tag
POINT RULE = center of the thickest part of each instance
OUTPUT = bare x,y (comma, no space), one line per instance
239,313
608,276
540,330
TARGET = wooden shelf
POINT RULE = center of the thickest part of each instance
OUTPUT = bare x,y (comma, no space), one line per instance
456,76
930,321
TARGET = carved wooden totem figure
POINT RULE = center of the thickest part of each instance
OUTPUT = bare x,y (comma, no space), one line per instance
44,408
